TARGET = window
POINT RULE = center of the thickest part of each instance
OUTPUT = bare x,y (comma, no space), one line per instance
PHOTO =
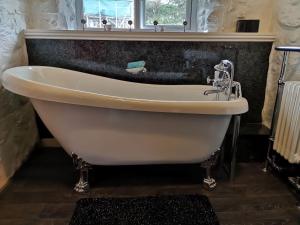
166,12
117,13
200,15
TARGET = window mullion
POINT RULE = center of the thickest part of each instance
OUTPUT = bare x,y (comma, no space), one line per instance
189,13
194,9
79,13
137,14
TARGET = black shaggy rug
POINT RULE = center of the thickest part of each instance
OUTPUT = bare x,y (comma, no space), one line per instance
160,210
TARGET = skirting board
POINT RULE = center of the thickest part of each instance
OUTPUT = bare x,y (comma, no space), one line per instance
49,143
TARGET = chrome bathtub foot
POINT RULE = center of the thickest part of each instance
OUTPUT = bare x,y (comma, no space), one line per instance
83,184
208,182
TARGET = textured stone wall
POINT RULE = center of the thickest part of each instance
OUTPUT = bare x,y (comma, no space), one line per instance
18,132
248,9
68,10
222,15
287,29
52,14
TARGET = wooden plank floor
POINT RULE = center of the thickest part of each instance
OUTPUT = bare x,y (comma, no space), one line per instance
41,191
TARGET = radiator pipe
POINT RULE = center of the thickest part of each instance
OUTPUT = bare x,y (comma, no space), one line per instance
277,103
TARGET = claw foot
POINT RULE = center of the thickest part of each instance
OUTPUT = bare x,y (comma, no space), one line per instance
209,184
82,187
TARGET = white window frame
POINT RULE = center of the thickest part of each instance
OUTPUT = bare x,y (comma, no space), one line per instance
139,17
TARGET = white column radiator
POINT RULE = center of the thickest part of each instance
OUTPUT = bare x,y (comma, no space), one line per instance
287,136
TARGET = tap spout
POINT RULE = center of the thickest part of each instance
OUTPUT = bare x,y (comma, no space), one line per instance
208,92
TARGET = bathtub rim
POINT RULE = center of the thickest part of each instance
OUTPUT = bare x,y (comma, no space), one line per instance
42,91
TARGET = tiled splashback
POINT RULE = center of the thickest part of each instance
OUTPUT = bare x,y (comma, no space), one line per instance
166,62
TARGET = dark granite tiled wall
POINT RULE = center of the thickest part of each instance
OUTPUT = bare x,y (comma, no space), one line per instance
167,62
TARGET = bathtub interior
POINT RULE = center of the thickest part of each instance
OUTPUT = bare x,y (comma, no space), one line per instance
73,80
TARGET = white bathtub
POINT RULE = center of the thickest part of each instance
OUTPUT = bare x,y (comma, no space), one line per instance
112,122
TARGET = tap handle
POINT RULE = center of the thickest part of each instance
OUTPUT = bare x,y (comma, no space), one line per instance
238,89
209,80
215,79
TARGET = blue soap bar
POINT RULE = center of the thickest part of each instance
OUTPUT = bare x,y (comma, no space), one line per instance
136,64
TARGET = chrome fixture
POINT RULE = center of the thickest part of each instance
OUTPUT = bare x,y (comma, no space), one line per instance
208,92
83,184
83,22
235,136
130,24
223,80
185,23
208,182
155,23
104,22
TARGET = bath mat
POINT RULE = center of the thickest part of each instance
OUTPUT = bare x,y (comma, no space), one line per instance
160,210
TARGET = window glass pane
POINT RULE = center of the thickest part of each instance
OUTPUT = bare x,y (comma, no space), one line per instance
166,12
116,12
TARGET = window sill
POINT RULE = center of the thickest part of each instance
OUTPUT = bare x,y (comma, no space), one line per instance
148,36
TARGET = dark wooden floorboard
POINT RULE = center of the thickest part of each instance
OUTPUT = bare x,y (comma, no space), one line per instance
41,191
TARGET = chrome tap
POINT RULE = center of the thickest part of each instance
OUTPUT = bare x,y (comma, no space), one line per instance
208,92
223,79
